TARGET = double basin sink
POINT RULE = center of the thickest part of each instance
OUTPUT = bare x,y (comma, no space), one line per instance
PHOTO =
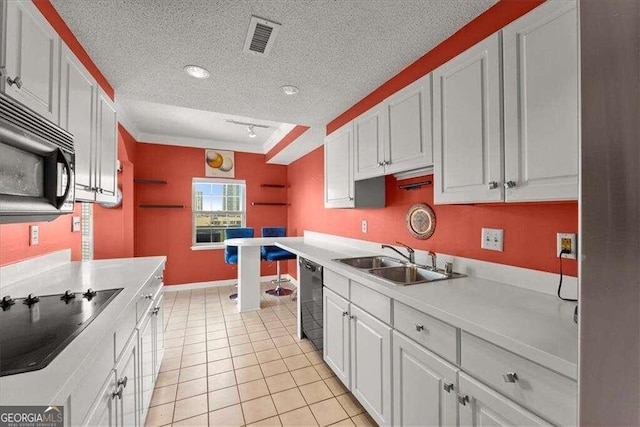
398,272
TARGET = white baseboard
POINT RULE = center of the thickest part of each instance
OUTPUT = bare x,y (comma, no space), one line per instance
534,280
221,283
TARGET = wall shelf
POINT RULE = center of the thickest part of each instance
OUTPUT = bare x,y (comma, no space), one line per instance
268,204
161,206
273,185
149,181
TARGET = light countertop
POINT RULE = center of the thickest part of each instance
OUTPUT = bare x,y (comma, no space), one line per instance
41,387
537,326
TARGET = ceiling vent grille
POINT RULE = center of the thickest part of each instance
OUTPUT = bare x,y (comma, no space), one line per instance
261,36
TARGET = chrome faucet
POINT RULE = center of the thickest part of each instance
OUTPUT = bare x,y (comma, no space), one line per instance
433,260
412,254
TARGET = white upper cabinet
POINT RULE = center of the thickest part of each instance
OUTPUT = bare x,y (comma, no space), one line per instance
107,149
338,176
409,129
369,144
396,135
78,93
467,126
541,106
30,73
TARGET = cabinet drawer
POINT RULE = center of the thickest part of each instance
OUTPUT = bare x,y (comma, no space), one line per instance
371,301
434,334
337,283
551,395
146,295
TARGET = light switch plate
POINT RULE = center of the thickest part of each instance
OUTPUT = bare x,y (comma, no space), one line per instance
365,226
492,239
75,224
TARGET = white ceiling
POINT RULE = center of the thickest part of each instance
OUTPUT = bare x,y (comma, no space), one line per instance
336,52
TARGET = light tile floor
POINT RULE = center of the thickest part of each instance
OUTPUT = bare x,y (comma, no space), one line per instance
223,368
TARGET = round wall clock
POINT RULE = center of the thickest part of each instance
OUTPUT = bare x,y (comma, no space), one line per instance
421,221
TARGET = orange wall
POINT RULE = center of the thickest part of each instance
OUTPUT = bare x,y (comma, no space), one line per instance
113,228
54,236
529,229
168,231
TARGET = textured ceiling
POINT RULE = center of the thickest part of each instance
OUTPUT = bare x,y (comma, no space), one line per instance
336,52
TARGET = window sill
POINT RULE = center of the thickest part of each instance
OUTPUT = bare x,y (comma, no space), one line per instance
206,247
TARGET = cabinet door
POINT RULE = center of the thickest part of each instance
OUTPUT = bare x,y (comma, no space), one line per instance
146,349
103,413
467,134
541,106
481,406
424,386
369,143
371,364
107,149
32,52
409,130
128,378
336,334
78,91
338,168
158,328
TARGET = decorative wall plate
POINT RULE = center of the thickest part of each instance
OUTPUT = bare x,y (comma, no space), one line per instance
421,221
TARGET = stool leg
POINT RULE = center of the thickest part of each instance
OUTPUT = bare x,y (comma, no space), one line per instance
234,296
279,291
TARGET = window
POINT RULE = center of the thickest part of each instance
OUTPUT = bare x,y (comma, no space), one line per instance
218,204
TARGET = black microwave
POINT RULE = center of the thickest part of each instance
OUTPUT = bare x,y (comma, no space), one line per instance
37,181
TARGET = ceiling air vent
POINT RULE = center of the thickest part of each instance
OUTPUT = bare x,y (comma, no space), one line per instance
261,36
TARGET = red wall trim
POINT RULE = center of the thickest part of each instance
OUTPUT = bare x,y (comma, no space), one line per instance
51,14
295,133
485,24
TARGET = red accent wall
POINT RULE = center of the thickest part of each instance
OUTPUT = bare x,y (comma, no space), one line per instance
54,236
51,14
113,229
168,231
295,133
485,24
529,228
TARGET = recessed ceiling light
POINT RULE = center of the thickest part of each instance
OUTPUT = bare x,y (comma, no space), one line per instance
289,90
197,72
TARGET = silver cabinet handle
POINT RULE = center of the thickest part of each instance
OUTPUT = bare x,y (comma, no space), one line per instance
352,317
509,184
380,164
350,198
155,311
117,393
345,313
448,387
15,81
493,185
419,328
510,377
148,296
463,399
161,278
123,382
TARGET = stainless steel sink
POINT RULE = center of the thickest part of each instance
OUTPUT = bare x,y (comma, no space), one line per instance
369,262
398,272
408,274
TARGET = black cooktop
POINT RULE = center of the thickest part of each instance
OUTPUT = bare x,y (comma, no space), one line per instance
34,330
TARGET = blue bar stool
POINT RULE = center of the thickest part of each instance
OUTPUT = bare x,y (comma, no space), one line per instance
274,253
231,252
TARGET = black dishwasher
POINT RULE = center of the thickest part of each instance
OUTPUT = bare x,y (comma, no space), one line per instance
310,294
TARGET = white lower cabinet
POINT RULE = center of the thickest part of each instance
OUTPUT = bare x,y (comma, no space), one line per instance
104,410
357,346
336,335
371,364
158,328
127,385
147,368
424,386
481,406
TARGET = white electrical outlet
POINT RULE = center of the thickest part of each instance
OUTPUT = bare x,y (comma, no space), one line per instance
75,224
568,241
34,235
492,239
364,226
